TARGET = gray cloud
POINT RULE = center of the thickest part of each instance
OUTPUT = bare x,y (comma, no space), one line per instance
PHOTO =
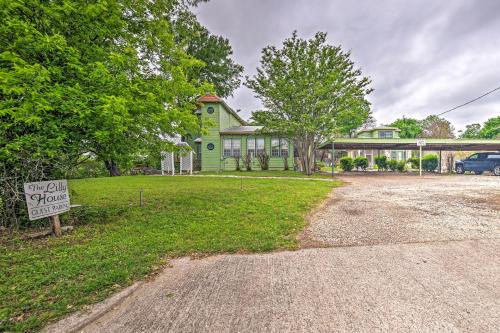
423,56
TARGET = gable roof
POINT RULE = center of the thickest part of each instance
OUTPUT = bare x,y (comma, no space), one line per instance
217,99
241,129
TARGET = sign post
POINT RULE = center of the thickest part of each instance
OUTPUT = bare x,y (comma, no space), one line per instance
47,199
333,158
420,143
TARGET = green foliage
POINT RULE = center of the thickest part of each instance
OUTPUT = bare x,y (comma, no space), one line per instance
401,166
414,162
381,162
346,163
81,77
392,165
215,52
430,162
472,131
410,127
489,130
310,90
44,280
88,168
361,163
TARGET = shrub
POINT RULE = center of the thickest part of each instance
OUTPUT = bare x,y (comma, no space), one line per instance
392,165
381,162
414,161
401,167
346,163
237,159
263,159
361,162
247,162
430,162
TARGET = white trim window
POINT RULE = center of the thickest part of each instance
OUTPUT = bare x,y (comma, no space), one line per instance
260,146
279,147
385,134
251,146
232,147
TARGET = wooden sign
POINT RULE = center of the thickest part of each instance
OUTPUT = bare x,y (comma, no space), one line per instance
45,199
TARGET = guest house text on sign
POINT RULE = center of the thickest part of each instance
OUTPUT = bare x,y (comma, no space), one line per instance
46,198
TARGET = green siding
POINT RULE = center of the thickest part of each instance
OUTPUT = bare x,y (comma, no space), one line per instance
210,159
213,160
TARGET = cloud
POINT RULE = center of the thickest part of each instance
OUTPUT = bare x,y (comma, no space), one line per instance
423,56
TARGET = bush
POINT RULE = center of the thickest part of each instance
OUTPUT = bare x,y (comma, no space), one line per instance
401,167
381,162
361,162
263,159
346,163
393,165
430,162
414,161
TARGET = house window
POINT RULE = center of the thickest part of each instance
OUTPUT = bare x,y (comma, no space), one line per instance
210,110
251,147
279,147
236,147
259,145
284,147
210,146
275,147
385,134
232,147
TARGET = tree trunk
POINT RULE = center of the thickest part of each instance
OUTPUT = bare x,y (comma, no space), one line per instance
112,168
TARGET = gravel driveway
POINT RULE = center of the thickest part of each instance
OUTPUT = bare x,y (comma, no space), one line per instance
382,209
408,255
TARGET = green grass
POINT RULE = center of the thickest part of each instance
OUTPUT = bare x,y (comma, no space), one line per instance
266,173
120,242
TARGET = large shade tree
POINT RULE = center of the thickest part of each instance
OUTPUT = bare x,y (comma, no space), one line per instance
436,127
410,127
80,77
310,90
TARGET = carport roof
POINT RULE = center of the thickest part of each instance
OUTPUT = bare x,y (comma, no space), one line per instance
411,144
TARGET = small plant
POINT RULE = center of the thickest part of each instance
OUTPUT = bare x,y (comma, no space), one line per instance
381,162
430,162
263,159
346,163
247,162
237,159
414,161
361,163
393,165
401,167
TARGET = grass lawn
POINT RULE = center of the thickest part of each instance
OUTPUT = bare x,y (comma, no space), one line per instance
266,173
120,242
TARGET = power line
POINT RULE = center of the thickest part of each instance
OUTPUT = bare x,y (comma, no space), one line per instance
471,101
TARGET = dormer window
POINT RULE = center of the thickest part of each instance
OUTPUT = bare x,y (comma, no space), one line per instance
385,134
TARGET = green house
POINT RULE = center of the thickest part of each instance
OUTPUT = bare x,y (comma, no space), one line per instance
229,137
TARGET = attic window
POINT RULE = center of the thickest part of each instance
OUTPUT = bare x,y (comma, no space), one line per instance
210,110
385,134
210,146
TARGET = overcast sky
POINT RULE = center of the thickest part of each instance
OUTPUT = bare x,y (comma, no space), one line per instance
423,57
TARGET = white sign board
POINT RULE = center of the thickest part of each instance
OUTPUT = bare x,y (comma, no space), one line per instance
46,198
421,142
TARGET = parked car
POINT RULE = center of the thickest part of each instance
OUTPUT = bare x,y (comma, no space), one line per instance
480,162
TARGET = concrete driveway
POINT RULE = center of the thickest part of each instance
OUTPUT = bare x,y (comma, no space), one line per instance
423,257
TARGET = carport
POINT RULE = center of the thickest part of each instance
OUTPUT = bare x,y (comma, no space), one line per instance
438,145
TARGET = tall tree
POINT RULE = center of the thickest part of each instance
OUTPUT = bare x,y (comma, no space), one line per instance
410,127
81,77
310,90
472,131
436,127
491,129
215,52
